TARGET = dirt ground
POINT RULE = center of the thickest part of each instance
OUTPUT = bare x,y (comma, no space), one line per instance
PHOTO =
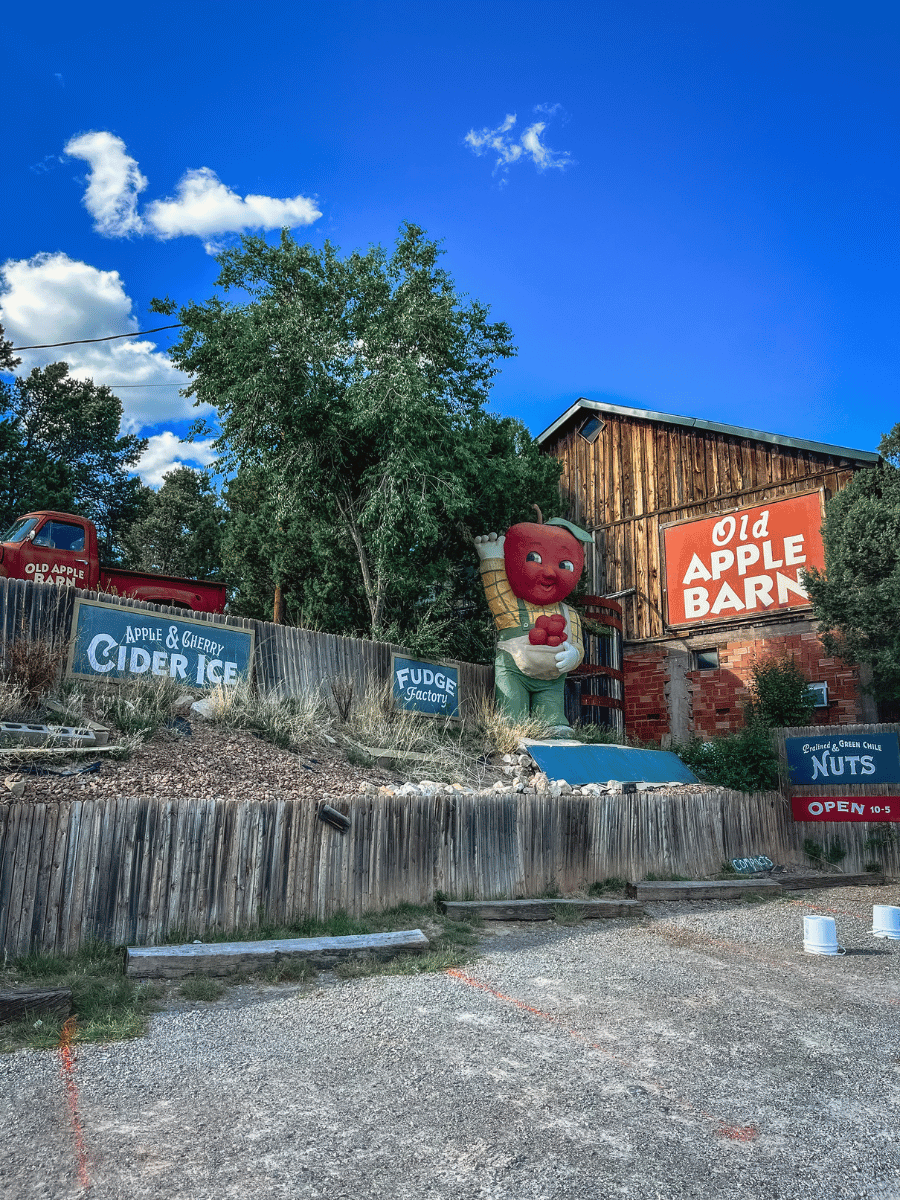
696,1053
207,762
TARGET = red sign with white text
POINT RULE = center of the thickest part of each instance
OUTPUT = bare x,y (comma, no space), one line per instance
845,808
742,563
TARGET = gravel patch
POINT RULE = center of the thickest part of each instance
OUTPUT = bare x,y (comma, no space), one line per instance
697,1054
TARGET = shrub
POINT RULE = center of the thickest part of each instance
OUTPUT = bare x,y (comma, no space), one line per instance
31,665
779,694
745,761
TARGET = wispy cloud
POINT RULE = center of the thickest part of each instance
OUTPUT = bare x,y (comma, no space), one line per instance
510,149
203,206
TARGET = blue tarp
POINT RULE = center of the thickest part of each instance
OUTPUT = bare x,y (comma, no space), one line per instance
597,764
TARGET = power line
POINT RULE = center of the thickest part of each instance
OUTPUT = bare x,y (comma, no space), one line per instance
83,341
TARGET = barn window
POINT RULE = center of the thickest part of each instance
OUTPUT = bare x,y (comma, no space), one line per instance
590,429
706,660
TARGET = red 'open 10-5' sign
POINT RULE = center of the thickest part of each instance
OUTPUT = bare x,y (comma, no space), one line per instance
742,563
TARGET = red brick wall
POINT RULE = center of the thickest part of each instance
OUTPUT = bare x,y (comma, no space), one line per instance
646,710
718,697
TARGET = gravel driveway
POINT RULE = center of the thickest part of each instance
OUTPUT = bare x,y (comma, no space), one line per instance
699,1053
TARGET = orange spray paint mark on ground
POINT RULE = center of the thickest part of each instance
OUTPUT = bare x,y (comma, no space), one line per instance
67,1067
841,912
737,1133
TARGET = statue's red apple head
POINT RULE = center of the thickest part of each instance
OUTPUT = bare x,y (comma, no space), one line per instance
544,562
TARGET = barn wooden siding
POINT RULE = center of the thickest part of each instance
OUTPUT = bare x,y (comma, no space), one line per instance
287,661
138,870
640,474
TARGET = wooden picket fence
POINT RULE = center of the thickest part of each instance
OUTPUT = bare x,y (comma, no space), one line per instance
138,870
287,661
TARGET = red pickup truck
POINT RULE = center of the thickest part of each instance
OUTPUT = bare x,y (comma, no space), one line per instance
54,547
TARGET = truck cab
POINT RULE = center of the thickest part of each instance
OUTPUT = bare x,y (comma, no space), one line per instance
51,547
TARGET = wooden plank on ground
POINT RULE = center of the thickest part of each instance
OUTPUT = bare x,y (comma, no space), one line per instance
540,910
705,889
22,1003
228,958
798,883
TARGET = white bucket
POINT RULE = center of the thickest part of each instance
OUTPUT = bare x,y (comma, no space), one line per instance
886,921
820,936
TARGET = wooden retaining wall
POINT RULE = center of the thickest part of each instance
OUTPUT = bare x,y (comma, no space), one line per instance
136,870
287,661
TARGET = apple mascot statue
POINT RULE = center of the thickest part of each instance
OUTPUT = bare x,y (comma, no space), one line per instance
527,573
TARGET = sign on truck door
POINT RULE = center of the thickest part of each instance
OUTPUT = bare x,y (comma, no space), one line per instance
56,554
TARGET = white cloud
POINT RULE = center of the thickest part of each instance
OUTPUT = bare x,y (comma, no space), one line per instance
203,206
497,140
114,183
53,298
502,142
165,452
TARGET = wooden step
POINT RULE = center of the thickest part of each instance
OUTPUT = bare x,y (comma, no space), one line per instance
705,889
798,883
539,910
232,958
22,1004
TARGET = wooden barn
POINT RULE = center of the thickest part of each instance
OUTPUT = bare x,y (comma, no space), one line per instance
701,532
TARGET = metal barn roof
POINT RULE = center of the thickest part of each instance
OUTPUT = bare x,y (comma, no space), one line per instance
775,439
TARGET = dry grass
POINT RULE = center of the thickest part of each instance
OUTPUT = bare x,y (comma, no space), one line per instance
31,665
14,704
442,750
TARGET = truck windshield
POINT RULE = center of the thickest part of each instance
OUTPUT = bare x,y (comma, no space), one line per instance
20,531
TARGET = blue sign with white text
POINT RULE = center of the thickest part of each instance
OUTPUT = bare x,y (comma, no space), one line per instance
848,759
113,642
426,687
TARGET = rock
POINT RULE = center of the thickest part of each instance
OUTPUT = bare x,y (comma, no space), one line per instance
385,791
525,760
509,758
499,787
205,709
540,782
15,784
408,789
183,705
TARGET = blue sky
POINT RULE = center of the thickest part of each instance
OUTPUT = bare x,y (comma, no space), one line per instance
690,207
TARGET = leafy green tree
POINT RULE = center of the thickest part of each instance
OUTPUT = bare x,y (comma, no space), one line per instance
7,362
61,448
779,694
351,397
181,530
856,599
